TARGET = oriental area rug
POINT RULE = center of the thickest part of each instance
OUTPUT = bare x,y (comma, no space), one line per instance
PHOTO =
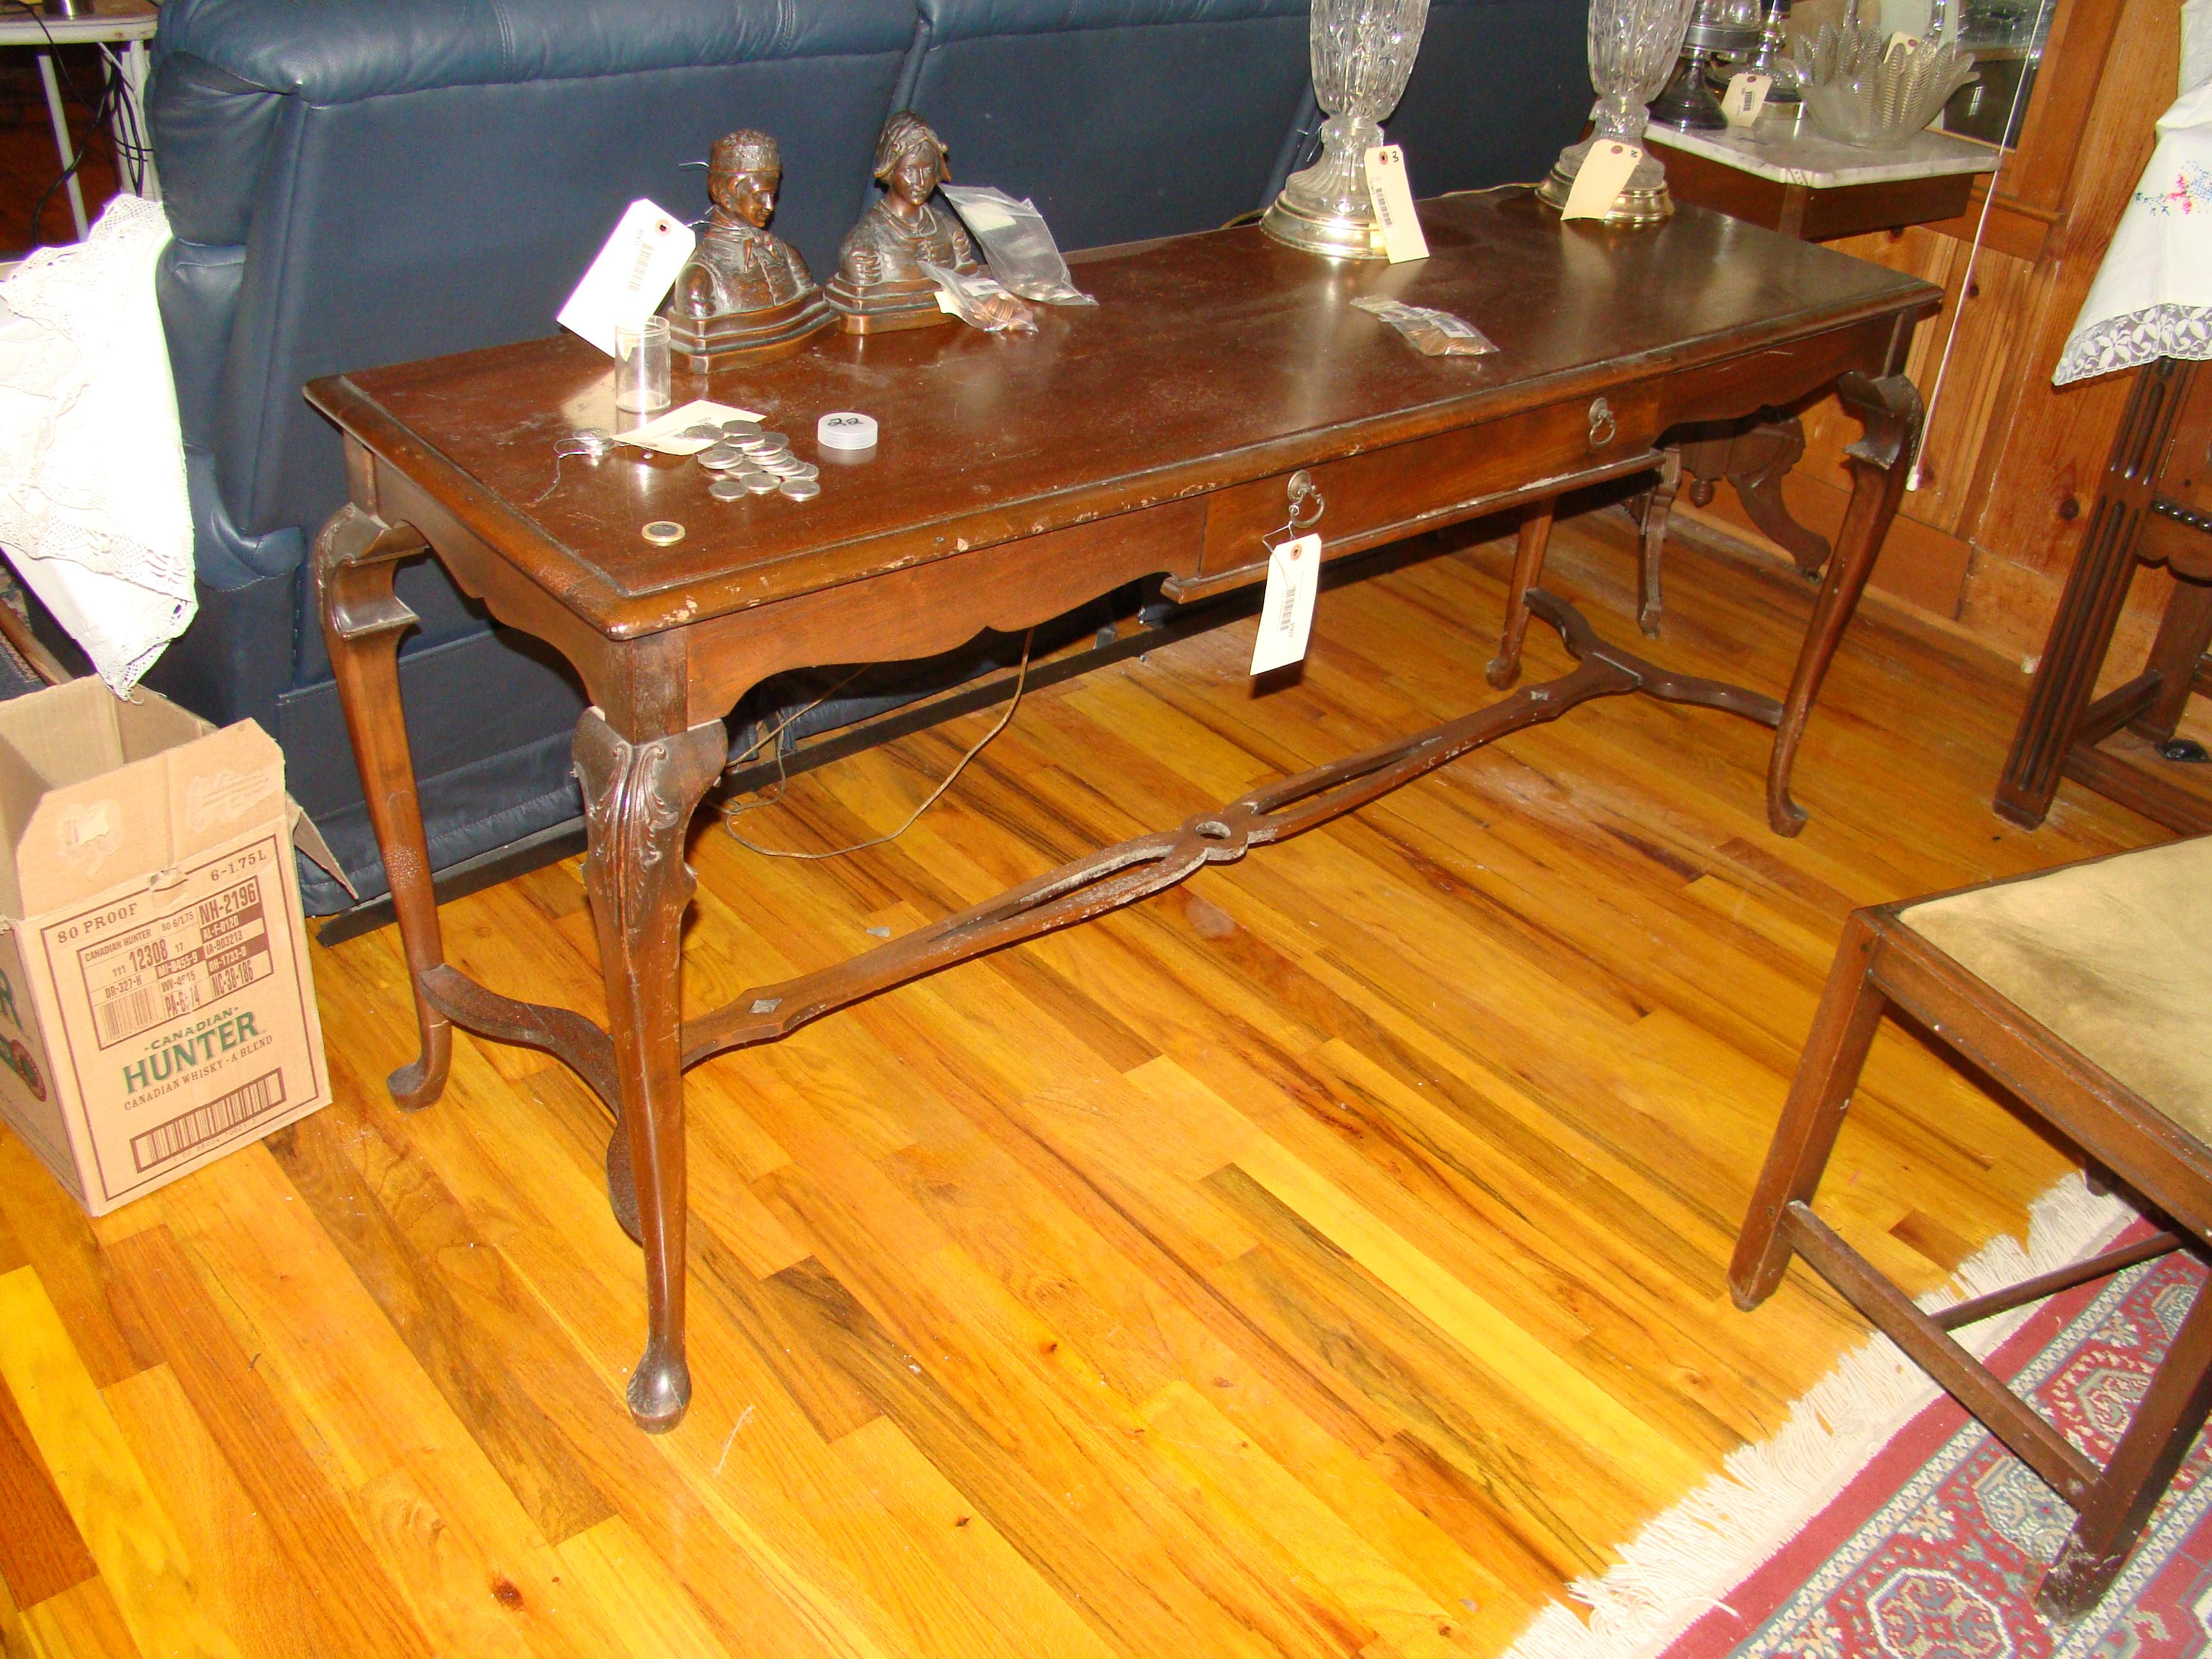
1884,1523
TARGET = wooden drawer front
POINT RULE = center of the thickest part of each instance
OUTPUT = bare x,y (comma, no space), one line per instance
1378,496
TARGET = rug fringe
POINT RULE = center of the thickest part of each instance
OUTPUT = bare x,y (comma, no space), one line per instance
1683,1561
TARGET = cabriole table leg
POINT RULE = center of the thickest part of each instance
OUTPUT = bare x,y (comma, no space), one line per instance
638,800
1891,411
355,559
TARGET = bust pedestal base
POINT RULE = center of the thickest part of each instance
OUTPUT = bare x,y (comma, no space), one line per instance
709,343
884,307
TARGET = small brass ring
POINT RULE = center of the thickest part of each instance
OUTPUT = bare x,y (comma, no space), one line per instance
1603,428
1302,490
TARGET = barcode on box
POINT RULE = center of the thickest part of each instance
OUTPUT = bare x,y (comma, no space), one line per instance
123,1012
204,1123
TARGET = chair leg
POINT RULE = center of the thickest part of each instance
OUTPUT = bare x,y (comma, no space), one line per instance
2183,633
2164,1429
1527,565
1850,1009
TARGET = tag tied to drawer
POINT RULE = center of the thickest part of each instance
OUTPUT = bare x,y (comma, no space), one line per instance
1287,610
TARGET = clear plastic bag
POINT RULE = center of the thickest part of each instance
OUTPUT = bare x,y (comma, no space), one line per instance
1432,332
1017,243
981,301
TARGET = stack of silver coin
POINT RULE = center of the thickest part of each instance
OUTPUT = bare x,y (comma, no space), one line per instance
747,461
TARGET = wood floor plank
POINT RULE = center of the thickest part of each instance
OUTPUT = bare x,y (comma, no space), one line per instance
309,1519
1405,1618
392,1220
145,1571
53,1236
248,1584
41,1552
1471,1320
1027,1616
83,1622
652,1614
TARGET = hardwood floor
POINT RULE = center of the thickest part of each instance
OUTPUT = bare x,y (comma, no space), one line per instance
1324,1258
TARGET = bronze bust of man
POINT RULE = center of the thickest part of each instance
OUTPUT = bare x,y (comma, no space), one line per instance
744,293
879,282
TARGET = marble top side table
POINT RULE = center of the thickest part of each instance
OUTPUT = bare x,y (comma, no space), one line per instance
1813,188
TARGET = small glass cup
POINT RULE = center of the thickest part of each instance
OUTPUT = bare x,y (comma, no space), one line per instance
641,366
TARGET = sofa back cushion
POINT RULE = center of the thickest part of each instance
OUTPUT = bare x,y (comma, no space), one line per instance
1121,118
1499,88
410,177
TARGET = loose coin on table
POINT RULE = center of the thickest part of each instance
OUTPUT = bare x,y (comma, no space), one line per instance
761,483
725,488
801,490
663,532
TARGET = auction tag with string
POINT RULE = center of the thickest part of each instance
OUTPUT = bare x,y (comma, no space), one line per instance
1286,612
1392,192
1747,96
631,276
1605,173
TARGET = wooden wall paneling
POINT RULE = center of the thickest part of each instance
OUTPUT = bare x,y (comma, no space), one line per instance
2044,475
2012,462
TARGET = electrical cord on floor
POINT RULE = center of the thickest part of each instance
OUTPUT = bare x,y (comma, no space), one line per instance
100,112
134,148
736,809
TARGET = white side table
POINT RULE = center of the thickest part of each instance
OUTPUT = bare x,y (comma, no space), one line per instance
127,24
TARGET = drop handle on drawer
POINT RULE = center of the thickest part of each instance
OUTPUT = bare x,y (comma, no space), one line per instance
1603,429
1306,503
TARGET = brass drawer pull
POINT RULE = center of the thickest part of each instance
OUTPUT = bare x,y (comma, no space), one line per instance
1603,429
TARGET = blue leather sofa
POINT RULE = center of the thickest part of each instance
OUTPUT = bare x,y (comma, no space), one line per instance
356,182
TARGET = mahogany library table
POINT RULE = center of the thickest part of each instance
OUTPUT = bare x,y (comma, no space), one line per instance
1223,386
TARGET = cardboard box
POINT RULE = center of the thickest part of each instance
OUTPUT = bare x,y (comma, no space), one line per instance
156,1009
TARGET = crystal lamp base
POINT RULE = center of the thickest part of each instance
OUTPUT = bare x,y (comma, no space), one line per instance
1335,236
1645,201
1325,208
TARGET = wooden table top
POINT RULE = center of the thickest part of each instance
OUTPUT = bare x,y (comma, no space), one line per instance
1211,359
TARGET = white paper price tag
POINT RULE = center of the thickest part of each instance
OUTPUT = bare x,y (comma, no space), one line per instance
666,433
1392,192
1605,173
1286,612
631,277
1747,96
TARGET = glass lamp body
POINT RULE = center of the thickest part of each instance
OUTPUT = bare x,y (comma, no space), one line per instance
1633,44
1363,55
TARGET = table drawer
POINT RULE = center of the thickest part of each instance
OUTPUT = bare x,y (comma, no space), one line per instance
1380,495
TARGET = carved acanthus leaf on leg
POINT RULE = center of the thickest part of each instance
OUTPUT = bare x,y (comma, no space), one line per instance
637,803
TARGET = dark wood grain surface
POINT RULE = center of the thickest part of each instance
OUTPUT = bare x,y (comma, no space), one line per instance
1210,360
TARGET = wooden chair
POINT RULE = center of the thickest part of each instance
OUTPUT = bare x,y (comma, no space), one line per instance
2082,991
2154,506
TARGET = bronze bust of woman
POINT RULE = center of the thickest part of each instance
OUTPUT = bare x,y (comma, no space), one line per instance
879,282
744,293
